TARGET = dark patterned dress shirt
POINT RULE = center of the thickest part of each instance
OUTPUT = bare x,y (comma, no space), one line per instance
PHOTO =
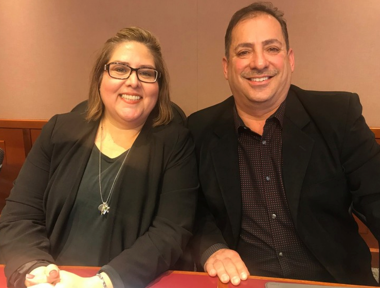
268,242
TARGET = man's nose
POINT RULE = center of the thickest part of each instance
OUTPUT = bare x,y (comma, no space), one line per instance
258,61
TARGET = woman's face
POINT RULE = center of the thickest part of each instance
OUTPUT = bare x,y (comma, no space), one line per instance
129,102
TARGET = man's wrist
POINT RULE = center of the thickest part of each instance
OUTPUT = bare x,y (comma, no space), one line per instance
211,250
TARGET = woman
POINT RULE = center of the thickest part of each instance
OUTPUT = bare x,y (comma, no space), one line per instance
114,188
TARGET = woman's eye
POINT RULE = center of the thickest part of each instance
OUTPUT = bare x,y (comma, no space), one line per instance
120,69
146,73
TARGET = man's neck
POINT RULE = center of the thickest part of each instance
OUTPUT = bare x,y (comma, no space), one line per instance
255,114
255,121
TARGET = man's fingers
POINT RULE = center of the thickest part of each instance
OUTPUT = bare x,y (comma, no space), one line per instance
228,266
242,269
231,270
221,271
209,268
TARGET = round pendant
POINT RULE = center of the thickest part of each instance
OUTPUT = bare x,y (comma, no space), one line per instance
104,208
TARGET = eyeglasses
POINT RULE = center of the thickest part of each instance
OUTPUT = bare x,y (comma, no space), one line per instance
122,71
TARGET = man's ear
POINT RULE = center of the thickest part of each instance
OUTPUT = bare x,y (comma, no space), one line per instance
291,59
225,67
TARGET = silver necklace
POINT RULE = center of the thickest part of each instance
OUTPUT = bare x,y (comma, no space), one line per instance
104,208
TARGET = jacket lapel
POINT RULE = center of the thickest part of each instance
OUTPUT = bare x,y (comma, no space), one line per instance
225,160
296,150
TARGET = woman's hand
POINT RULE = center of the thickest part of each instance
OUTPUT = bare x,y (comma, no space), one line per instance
71,280
45,274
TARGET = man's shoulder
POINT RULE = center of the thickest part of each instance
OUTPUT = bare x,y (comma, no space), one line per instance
325,102
213,115
327,109
321,95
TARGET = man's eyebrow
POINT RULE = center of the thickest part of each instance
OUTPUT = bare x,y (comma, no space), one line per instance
265,42
244,45
272,41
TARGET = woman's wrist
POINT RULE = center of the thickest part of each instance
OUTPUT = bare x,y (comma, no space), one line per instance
101,280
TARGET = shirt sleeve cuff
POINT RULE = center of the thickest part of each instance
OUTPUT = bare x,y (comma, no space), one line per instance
211,250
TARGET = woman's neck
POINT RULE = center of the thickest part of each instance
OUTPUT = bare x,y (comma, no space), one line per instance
113,140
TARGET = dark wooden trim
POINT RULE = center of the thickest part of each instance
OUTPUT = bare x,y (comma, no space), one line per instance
376,131
22,124
27,140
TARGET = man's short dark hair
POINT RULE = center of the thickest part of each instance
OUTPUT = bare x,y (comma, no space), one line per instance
251,11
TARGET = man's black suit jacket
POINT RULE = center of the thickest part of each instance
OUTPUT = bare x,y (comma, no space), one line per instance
331,163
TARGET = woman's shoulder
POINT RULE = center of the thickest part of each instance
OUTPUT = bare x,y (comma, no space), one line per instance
72,124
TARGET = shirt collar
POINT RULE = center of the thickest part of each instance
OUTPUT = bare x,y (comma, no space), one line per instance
278,114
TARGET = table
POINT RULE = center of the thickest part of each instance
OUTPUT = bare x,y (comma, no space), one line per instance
184,279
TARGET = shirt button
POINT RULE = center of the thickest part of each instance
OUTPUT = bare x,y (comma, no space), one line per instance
280,254
274,216
264,142
267,178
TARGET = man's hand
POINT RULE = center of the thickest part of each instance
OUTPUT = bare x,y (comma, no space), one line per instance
227,264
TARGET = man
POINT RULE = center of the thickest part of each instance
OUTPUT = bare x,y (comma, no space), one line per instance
281,168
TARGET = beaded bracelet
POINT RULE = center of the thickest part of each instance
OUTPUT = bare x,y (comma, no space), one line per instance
101,278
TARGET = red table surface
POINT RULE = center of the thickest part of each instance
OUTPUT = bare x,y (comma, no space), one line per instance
82,271
180,279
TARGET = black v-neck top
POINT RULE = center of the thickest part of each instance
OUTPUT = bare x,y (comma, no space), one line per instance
87,225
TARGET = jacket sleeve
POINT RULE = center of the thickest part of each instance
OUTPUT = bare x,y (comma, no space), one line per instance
361,162
208,238
23,236
208,235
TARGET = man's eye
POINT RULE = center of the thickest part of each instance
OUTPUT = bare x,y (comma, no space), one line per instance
242,53
273,49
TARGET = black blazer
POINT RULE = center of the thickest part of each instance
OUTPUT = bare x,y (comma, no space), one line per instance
154,199
331,162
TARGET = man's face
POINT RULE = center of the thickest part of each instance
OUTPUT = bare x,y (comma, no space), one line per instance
259,67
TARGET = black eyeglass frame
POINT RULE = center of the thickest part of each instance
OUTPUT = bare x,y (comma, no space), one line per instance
107,68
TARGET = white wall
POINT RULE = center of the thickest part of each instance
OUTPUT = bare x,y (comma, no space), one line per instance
48,48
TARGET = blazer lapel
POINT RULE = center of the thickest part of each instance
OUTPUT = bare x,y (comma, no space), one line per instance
296,151
297,148
225,159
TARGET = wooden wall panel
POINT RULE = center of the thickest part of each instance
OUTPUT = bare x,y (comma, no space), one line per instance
16,139
34,133
13,146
